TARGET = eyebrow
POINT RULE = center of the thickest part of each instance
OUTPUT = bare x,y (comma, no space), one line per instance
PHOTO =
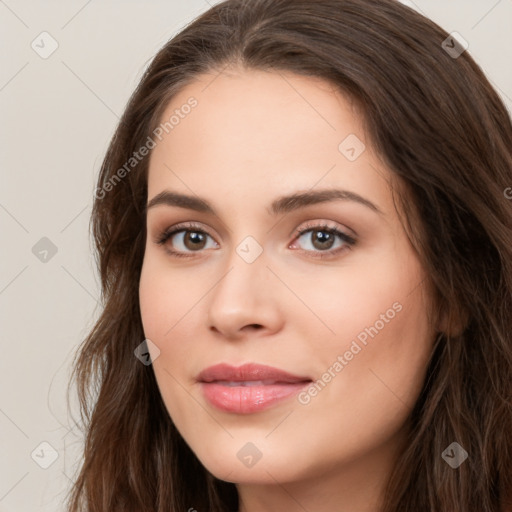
284,204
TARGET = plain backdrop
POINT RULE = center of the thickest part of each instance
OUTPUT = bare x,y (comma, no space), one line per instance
57,116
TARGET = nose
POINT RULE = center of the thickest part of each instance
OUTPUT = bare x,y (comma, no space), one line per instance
246,299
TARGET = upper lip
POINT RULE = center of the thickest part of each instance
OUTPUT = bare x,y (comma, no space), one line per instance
247,372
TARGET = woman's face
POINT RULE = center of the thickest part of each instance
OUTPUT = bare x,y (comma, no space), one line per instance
347,311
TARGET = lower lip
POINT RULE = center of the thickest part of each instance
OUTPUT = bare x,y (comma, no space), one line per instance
248,399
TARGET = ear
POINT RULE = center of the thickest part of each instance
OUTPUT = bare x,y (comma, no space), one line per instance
453,321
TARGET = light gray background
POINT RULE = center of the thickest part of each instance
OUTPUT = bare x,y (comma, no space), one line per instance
58,115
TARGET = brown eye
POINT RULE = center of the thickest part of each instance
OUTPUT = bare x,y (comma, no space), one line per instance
321,240
188,240
194,240
183,240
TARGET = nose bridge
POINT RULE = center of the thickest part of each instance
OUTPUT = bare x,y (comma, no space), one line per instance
244,295
245,274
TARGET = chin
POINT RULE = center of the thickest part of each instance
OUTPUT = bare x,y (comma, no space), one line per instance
234,464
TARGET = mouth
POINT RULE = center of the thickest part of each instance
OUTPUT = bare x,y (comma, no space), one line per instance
248,383
249,388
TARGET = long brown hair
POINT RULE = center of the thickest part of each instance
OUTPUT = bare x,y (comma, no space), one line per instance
439,125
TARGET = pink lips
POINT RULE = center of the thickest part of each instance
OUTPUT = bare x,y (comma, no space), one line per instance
248,388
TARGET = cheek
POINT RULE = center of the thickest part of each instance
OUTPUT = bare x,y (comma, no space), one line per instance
164,296
152,299
384,356
371,396
402,360
363,303
381,331
169,305
163,305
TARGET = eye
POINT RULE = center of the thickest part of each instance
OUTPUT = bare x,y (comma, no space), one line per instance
321,239
187,237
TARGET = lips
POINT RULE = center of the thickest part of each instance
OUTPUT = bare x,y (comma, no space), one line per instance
249,388
247,373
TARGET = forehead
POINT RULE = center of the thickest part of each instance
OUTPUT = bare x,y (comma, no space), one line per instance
263,134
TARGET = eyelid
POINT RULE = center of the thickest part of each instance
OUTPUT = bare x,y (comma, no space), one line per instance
348,241
324,224
181,226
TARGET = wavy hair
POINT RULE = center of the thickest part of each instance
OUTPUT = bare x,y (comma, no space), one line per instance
442,129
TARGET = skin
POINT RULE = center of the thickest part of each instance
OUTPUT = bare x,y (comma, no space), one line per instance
253,137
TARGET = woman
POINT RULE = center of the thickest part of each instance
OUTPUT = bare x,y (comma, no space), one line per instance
302,223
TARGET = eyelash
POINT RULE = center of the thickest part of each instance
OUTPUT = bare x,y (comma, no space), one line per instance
349,241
